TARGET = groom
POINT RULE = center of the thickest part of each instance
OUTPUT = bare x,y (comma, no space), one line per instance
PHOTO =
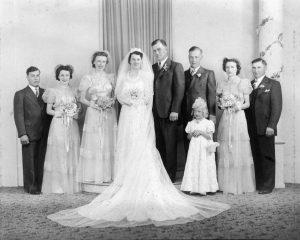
168,95
32,124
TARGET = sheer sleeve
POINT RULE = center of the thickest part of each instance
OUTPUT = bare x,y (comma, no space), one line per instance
245,86
219,89
85,83
121,94
148,78
210,128
49,96
188,128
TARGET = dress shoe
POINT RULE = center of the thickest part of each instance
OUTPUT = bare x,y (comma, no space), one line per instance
265,192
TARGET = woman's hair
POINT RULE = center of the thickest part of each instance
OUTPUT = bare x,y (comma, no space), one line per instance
237,62
135,53
200,104
97,54
61,67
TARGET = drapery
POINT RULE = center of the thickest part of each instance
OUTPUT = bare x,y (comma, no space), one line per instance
135,23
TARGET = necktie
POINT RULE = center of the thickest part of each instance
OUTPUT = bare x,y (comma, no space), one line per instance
192,71
37,91
159,65
255,84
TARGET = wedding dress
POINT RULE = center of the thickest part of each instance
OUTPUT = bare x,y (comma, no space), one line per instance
142,192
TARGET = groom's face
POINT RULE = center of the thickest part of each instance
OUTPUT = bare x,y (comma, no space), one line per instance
160,51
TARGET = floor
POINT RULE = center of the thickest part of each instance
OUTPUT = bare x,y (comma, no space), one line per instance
252,216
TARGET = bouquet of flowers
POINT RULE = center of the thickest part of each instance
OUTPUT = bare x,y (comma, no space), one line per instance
135,94
105,103
228,101
69,111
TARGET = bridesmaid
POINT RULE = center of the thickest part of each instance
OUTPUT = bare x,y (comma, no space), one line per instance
100,126
63,141
235,165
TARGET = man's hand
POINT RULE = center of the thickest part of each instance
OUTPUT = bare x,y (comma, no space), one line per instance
24,140
173,116
269,132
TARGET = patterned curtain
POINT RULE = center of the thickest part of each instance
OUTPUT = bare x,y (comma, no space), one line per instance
135,23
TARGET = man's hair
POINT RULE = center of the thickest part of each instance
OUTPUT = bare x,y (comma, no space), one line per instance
156,41
263,61
193,48
31,69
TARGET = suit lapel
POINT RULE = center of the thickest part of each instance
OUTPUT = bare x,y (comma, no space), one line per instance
260,89
164,68
31,96
195,77
262,86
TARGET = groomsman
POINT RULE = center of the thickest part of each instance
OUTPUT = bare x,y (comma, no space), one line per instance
262,118
168,95
32,125
199,82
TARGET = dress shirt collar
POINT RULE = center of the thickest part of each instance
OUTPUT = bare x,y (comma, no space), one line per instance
194,69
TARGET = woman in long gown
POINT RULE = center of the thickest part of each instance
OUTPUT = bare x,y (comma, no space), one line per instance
142,192
63,140
97,151
235,162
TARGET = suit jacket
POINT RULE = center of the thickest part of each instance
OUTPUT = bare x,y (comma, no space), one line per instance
168,88
265,105
30,113
202,84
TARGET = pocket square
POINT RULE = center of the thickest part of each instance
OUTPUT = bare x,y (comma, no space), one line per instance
267,90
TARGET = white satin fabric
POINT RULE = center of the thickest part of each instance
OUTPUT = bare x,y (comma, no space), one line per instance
142,192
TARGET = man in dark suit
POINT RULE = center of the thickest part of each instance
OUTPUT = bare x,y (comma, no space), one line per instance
32,125
262,118
199,82
168,95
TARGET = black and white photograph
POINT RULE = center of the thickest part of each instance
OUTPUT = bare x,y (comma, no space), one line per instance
149,119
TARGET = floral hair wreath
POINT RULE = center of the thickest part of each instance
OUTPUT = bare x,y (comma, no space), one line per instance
201,105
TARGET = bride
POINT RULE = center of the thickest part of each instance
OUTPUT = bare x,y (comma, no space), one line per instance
142,192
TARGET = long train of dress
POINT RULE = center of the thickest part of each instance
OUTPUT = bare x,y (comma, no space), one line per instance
142,192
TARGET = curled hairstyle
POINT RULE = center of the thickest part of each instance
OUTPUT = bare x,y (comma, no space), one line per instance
200,104
61,67
135,53
263,61
31,69
97,54
156,41
237,62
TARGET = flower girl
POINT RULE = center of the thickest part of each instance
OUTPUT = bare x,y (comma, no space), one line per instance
200,169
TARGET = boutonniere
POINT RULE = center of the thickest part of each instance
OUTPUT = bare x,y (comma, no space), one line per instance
198,75
261,86
165,67
267,90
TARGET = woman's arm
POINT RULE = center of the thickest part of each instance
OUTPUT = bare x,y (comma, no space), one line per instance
52,112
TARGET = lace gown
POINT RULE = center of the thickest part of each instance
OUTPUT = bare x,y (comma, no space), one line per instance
142,192
200,170
97,150
62,147
235,163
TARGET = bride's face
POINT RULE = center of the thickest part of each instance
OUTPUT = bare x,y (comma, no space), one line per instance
135,62
231,69
100,62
